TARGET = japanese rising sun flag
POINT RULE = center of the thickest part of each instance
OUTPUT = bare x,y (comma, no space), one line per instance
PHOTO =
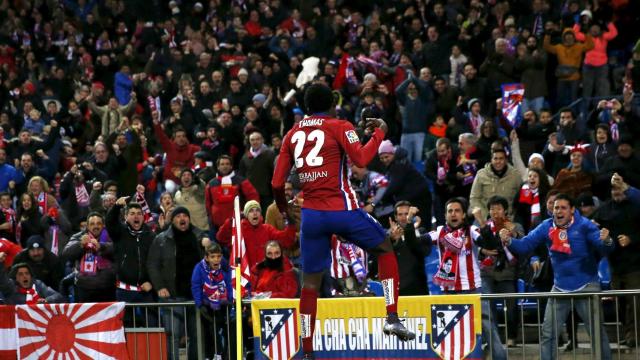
71,331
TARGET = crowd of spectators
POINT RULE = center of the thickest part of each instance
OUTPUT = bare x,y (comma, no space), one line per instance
127,128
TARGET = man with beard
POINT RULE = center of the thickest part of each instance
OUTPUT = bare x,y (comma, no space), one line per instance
621,214
26,170
459,270
24,288
131,242
92,252
475,87
222,190
44,265
575,246
191,196
172,257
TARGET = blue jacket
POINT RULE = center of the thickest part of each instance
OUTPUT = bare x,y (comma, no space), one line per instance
122,88
7,173
417,112
200,277
570,271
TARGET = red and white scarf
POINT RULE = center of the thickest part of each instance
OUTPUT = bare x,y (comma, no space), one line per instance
10,217
145,207
82,196
42,202
489,261
32,296
453,241
559,236
531,197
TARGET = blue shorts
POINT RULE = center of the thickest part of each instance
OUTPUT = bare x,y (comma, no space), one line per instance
318,226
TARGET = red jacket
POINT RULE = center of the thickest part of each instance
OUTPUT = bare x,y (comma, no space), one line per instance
178,157
281,283
219,195
256,237
11,249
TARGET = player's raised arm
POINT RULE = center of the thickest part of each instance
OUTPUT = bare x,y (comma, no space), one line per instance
280,174
361,155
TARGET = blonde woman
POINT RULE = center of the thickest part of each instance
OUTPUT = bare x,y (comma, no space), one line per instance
39,188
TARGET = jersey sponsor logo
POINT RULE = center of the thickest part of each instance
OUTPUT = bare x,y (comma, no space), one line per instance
352,137
311,176
310,122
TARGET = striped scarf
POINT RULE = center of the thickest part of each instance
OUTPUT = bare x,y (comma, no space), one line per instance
31,294
531,197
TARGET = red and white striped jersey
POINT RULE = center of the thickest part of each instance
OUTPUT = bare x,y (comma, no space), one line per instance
343,256
318,146
468,272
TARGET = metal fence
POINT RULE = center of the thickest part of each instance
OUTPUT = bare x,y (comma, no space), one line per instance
179,331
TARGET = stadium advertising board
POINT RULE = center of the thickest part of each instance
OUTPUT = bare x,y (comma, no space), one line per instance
446,327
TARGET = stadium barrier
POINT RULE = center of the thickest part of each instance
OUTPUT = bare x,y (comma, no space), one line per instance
350,328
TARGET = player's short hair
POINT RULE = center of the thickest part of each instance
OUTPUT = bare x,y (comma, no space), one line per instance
95,213
318,98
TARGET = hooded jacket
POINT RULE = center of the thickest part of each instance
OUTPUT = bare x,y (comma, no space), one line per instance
256,237
282,283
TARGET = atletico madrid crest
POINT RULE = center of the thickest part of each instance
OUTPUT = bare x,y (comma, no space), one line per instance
452,329
279,337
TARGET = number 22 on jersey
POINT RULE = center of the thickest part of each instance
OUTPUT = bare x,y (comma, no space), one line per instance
312,159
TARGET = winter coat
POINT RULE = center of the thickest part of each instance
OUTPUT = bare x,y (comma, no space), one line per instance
282,283
10,294
200,276
178,157
570,271
192,198
130,253
487,184
256,237
105,275
219,196
259,171
569,55
161,262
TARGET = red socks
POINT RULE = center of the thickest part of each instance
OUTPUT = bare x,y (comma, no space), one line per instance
308,309
388,275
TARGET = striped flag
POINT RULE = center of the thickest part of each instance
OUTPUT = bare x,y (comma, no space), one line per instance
279,337
238,249
71,331
453,333
8,333
512,96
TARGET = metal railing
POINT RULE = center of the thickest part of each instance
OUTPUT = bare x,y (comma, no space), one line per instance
166,331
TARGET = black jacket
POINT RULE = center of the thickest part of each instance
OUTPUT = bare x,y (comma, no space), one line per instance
130,252
162,261
621,219
406,183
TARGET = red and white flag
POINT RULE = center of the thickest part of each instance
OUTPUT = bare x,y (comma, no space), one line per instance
8,333
71,331
238,249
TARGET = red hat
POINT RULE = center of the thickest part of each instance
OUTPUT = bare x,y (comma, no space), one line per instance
98,85
30,87
579,147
